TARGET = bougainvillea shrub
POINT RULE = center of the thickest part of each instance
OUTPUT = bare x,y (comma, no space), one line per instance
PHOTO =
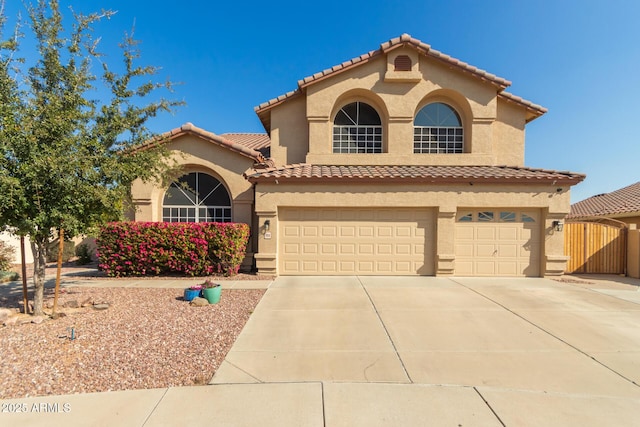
153,248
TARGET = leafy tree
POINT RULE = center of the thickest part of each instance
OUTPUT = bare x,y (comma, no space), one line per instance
68,160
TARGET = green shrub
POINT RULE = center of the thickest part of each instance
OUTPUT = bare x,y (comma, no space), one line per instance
83,253
8,276
68,251
148,248
7,254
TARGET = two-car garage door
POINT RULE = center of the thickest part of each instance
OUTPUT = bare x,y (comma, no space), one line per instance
375,241
362,241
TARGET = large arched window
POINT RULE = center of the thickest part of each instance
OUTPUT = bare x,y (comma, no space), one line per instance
437,128
357,129
196,197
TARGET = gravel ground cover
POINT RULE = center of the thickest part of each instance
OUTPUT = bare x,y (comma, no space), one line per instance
147,338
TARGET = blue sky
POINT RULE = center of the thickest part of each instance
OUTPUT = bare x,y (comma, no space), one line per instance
578,58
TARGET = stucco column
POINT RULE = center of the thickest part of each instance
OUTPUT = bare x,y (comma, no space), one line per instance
266,262
143,211
555,259
445,247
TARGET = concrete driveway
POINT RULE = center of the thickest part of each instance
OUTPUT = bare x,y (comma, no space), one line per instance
474,351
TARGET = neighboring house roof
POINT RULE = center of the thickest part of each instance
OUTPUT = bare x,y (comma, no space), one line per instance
427,174
617,203
246,146
403,40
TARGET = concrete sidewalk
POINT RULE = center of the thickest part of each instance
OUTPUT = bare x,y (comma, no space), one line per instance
356,351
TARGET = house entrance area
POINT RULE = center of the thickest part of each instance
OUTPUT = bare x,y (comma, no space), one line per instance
498,242
356,241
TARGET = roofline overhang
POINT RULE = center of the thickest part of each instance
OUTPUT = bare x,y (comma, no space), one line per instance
190,129
404,40
386,180
559,179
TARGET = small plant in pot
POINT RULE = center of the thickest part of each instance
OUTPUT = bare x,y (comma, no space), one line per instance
211,291
192,292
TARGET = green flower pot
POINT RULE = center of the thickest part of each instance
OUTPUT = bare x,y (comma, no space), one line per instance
212,294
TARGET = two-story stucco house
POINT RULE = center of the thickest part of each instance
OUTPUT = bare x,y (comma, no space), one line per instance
402,161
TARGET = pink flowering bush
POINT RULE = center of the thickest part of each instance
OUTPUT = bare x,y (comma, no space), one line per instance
153,248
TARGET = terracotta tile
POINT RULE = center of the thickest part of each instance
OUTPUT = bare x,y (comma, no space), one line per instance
439,174
624,200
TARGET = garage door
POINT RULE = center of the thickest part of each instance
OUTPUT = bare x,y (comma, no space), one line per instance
497,242
355,241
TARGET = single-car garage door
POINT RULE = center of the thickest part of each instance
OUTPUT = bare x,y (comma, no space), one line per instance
497,242
363,241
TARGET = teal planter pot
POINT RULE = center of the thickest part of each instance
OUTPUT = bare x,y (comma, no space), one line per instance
212,294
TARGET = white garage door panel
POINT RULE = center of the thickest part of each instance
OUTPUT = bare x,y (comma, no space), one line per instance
497,248
356,241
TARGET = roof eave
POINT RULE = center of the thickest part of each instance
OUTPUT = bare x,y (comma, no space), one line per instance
190,129
571,181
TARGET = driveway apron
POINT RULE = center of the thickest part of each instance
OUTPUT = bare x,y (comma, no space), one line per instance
528,351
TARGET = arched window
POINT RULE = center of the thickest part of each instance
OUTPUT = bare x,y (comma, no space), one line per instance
196,197
357,129
437,128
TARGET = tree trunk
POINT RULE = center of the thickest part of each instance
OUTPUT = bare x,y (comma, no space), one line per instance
39,249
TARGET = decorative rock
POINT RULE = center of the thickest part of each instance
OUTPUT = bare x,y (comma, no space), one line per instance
72,304
102,306
199,302
4,314
11,321
37,320
87,302
58,315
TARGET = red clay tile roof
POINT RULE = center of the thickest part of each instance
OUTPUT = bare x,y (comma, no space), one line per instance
255,141
534,110
624,200
229,143
430,174
403,40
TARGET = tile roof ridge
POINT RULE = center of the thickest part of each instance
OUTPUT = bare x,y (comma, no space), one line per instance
190,128
243,133
403,39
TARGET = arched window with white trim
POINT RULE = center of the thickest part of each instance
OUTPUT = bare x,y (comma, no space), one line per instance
196,197
357,129
437,128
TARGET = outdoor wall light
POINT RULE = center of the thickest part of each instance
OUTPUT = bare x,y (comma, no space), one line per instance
557,225
267,224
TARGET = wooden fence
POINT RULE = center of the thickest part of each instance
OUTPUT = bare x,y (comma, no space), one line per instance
595,248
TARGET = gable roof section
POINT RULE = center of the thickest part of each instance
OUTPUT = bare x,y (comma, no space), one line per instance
533,110
403,40
416,174
244,146
623,201
255,141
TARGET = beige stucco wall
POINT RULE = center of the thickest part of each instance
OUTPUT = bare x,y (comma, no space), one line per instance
14,242
289,132
198,155
628,219
508,134
446,199
397,102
